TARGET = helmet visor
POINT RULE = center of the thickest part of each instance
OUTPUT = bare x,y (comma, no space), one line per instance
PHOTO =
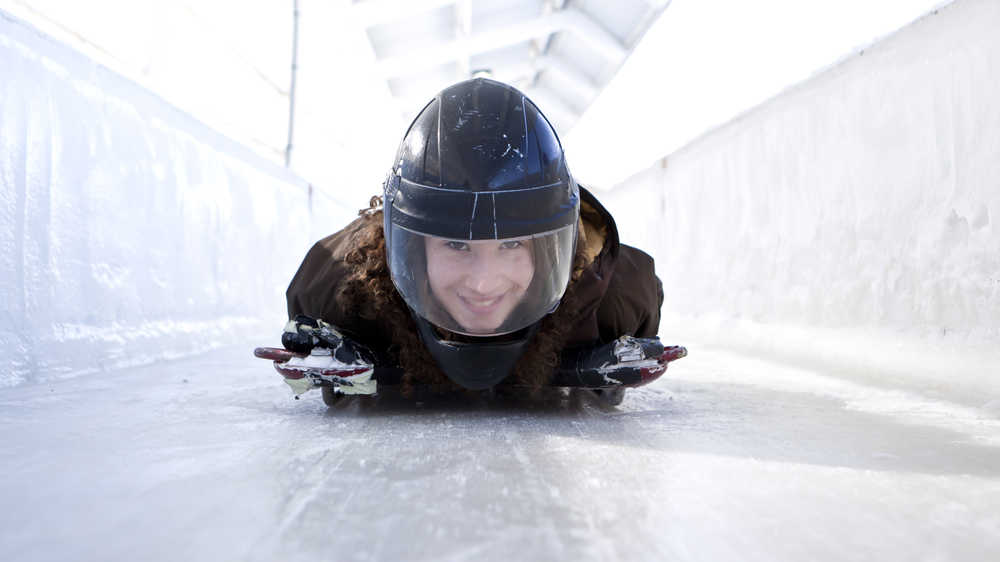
481,287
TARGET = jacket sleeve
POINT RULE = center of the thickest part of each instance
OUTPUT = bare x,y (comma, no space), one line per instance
319,280
313,290
631,305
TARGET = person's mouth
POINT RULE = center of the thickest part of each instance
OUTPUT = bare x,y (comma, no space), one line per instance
482,305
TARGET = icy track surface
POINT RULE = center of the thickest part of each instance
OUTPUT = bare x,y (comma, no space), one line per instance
725,458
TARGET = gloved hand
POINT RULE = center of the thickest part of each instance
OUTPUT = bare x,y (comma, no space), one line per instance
317,354
304,333
625,362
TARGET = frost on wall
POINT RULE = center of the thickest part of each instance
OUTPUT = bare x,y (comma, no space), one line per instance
857,210
129,231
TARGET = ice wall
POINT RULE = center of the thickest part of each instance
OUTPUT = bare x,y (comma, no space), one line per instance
851,220
227,63
128,230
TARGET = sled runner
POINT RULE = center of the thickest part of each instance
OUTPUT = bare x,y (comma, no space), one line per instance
625,363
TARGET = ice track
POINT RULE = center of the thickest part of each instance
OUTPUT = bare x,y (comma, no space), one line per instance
725,458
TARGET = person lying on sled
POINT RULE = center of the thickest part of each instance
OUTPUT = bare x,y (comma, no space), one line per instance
483,264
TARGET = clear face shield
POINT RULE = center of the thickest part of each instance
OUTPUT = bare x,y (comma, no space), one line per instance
481,287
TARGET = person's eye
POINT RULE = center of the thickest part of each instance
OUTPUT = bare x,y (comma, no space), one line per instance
456,245
511,245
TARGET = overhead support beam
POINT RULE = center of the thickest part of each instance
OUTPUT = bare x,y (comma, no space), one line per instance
578,90
430,57
572,21
654,9
599,39
463,30
376,12
540,47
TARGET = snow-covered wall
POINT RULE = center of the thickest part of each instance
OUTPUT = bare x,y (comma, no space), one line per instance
854,219
228,64
128,230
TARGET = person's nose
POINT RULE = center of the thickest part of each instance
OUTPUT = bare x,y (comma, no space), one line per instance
486,277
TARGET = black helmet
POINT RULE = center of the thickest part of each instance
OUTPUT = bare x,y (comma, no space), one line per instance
480,226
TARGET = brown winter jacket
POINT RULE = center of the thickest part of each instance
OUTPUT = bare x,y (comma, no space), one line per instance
613,292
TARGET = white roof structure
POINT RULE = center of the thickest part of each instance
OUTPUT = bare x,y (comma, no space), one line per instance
561,53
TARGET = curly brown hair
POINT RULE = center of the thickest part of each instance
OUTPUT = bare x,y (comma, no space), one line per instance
370,294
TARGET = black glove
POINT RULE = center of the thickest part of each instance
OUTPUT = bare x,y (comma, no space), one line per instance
317,355
303,333
625,362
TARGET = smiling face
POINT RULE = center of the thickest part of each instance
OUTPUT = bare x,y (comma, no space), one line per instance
479,282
